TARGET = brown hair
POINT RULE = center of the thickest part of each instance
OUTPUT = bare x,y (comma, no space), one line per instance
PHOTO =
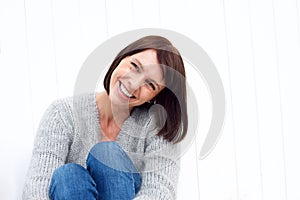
173,96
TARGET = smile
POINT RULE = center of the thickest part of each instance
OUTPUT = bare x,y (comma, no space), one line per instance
124,91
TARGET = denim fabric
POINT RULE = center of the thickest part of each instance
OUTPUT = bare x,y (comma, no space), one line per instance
110,175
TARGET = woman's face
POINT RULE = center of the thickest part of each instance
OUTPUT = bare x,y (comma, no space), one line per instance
137,79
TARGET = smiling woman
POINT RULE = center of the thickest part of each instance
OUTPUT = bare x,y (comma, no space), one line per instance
120,143
135,82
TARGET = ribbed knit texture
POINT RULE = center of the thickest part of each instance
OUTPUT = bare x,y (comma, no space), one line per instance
70,127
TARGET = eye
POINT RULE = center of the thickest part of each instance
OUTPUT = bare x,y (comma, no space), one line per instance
151,85
135,66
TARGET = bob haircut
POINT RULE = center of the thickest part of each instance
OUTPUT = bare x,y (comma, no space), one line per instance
173,96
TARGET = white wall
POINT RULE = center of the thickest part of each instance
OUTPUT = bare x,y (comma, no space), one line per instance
255,45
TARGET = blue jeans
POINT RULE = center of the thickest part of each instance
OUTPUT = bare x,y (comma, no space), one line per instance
110,175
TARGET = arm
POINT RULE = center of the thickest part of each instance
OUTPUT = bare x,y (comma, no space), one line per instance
50,151
160,176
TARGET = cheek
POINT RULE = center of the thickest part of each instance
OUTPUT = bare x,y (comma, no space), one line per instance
120,71
147,95
116,75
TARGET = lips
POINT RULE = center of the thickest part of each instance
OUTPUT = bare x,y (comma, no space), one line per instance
124,91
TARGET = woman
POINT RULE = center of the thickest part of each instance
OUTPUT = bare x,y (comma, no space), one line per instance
120,143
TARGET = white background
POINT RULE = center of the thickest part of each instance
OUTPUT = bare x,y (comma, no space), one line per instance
255,45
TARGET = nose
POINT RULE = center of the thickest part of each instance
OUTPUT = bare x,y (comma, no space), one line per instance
136,81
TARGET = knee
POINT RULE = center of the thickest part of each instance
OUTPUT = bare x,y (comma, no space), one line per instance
111,155
106,151
68,174
105,148
66,170
72,181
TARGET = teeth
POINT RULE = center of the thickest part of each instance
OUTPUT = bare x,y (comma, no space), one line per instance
124,91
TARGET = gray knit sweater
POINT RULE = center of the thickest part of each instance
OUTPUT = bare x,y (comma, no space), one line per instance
70,127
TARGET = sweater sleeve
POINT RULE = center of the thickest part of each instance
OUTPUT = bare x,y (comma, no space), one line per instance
160,174
50,150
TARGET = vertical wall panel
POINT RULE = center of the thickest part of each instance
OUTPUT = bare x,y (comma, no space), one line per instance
217,176
146,14
268,99
93,30
93,27
67,44
172,15
43,74
243,95
287,26
15,104
188,182
119,16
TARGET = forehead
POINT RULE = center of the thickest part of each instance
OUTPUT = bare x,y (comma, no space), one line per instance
149,63
146,57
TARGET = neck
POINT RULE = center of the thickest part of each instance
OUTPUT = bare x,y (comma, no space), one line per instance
109,113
